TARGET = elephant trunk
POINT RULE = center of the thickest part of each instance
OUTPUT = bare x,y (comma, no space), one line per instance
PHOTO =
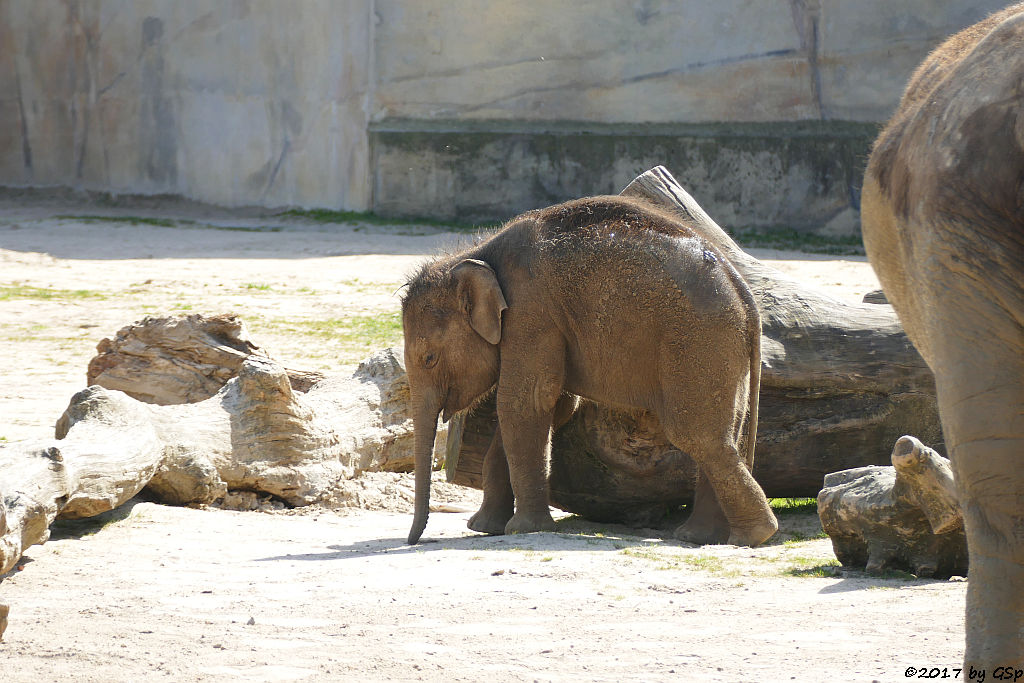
424,423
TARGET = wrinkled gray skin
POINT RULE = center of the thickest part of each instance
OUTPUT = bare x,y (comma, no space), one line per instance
603,298
943,223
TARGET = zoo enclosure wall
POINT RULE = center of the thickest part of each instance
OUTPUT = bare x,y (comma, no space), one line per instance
461,110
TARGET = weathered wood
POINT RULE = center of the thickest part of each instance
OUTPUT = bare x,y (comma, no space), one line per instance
839,383
179,359
109,455
902,517
33,484
256,434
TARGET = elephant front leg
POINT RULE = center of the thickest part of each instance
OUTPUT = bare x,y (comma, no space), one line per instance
527,440
499,503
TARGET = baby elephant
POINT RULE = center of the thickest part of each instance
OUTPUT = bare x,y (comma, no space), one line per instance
605,298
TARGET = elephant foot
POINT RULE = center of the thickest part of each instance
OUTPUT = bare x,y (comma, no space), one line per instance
490,521
710,530
707,524
524,523
702,532
755,534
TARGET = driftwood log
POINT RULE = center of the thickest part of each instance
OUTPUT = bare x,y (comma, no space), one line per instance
256,434
840,383
172,360
904,517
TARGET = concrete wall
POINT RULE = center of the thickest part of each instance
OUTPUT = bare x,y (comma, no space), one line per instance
233,102
664,61
461,108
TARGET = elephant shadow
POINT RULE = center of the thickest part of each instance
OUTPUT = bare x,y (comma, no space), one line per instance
573,533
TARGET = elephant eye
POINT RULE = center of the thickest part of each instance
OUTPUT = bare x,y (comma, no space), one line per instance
430,360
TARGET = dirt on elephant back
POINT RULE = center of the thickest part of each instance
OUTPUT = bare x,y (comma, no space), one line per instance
157,592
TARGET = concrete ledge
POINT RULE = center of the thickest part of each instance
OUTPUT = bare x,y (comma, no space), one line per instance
804,175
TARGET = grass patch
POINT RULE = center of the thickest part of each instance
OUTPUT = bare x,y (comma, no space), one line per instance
370,287
786,506
350,338
166,222
130,220
824,570
665,560
796,538
787,238
9,292
369,218
708,563
895,574
259,286
244,228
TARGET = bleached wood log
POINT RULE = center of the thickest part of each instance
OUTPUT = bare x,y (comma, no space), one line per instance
33,488
255,434
109,455
179,359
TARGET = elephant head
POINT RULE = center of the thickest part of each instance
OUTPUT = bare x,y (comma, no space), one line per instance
451,320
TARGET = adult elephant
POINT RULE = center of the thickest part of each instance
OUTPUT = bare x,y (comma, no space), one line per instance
606,298
943,224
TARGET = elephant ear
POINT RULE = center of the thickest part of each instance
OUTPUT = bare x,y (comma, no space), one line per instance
480,297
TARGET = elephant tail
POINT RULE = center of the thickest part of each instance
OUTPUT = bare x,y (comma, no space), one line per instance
755,384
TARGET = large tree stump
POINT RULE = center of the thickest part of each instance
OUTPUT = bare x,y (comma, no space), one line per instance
839,383
903,517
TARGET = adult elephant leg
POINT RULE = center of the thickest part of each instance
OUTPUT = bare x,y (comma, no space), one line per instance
988,465
498,504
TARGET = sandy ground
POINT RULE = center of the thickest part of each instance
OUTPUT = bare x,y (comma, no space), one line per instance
179,594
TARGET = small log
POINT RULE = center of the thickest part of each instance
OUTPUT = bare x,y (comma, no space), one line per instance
109,455
902,517
110,451
34,483
839,382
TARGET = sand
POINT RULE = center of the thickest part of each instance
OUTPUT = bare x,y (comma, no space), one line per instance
156,592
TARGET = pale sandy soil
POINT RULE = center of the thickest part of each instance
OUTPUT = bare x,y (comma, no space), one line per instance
168,593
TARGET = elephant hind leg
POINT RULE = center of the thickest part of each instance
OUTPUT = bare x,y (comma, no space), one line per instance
707,524
498,503
740,498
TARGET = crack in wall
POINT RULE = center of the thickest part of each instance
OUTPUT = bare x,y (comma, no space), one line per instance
26,145
807,21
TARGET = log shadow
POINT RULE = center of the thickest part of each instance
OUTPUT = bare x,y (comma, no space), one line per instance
64,529
857,580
